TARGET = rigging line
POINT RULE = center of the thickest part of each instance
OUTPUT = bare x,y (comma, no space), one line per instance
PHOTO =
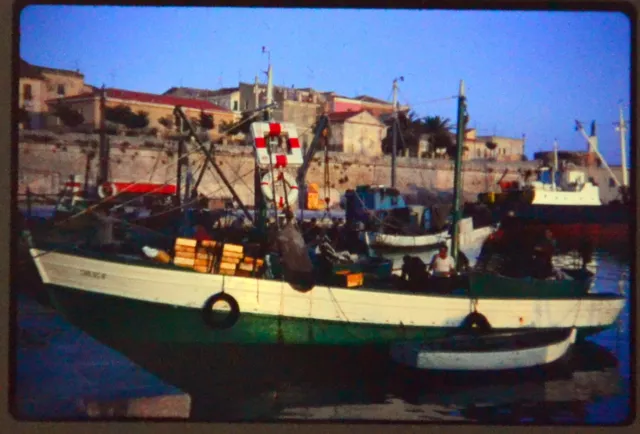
239,177
434,100
88,209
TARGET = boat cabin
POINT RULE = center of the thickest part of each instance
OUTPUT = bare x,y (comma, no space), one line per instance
380,205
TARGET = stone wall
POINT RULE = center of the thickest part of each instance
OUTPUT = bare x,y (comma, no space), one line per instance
43,166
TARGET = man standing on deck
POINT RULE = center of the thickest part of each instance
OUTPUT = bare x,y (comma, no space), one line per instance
442,264
543,256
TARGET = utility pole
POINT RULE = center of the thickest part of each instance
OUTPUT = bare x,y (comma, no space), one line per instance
622,128
394,131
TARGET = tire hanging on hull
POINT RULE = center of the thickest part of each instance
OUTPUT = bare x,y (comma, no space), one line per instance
210,318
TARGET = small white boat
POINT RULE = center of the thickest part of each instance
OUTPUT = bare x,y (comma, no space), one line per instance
490,352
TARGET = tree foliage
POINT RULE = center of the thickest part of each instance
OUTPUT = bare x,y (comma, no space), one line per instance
123,115
411,129
69,117
491,145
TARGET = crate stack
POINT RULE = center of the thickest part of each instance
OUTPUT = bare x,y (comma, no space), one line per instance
248,266
231,257
188,254
184,252
205,256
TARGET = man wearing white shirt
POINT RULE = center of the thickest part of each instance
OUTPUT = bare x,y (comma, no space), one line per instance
442,264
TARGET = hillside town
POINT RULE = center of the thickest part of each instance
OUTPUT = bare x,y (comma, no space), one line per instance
60,100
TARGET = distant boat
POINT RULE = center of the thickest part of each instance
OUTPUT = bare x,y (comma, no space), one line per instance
491,352
563,201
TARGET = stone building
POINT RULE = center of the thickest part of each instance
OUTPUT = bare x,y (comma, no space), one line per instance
300,106
39,84
357,133
227,97
157,107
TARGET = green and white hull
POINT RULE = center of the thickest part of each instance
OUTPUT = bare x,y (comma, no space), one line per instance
114,298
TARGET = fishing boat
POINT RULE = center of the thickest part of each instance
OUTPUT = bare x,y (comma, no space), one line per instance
561,198
189,300
488,352
390,223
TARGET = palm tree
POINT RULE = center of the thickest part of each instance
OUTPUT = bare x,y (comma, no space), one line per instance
437,130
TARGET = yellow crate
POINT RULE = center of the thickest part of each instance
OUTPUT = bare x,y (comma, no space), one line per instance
249,260
349,280
227,265
202,262
227,272
187,242
225,258
185,249
207,243
201,269
183,262
236,248
186,255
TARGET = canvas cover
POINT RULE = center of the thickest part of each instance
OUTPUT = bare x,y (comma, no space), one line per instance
294,256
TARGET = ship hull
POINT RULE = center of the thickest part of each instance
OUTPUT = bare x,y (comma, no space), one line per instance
570,224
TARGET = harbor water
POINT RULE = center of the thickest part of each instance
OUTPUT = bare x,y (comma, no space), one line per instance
58,369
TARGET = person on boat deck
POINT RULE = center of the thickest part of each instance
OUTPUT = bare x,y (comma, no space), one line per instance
414,272
442,264
107,218
200,233
543,256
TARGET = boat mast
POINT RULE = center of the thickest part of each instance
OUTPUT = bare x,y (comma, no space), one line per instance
394,132
622,128
592,141
555,164
457,180
260,206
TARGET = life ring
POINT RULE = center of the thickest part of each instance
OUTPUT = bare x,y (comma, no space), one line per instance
262,132
267,187
107,189
476,323
212,319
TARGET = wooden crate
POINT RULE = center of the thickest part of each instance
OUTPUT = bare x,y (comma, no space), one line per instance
230,254
236,248
227,272
207,243
234,261
201,269
185,254
184,262
350,280
202,262
249,260
186,242
245,267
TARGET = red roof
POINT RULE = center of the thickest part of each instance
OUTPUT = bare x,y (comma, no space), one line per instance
150,98
343,116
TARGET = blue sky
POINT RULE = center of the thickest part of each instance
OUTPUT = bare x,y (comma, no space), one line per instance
525,72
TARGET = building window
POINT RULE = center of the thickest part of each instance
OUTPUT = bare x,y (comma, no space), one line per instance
235,106
61,89
246,104
27,92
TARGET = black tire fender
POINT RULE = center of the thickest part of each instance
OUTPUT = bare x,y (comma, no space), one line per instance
476,323
211,319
